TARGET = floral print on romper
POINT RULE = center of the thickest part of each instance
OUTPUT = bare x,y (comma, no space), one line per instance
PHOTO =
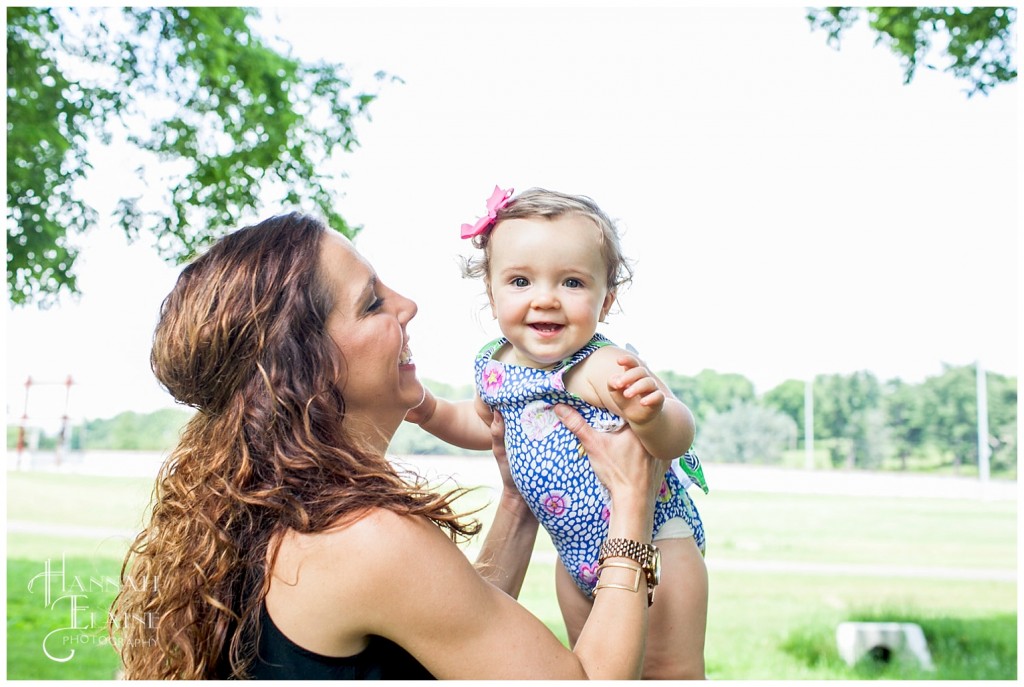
551,469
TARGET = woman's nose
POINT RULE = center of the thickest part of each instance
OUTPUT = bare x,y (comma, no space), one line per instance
407,308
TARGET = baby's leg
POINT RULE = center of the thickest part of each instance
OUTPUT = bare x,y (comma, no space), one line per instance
574,604
678,619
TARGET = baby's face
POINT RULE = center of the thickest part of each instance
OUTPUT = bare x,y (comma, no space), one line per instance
548,286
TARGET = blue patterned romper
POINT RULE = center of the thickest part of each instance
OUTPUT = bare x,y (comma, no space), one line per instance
550,466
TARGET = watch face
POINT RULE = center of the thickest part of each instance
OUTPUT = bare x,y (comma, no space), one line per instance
656,564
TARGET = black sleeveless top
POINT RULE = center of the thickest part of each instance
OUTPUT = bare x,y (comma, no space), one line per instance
279,658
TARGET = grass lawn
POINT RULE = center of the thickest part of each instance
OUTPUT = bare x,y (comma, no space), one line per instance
783,626
919,532
79,500
45,643
765,626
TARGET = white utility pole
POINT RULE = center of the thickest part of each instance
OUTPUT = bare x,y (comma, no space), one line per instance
984,451
809,422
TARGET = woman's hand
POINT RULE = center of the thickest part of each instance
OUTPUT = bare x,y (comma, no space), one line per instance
621,462
633,477
500,455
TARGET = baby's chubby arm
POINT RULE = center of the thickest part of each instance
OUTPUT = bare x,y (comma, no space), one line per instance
459,423
663,423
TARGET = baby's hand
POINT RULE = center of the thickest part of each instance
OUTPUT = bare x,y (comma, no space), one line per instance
636,392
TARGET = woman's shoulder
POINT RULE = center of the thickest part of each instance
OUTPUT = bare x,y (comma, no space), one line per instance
379,528
400,526
355,565
366,542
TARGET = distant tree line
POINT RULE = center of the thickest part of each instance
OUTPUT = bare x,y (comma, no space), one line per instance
128,431
859,422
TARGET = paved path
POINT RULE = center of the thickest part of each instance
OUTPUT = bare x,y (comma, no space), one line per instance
714,564
859,570
70,531
480,470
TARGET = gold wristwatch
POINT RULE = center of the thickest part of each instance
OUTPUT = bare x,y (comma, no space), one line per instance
647,555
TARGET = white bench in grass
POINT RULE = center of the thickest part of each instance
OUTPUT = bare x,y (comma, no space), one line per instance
882,641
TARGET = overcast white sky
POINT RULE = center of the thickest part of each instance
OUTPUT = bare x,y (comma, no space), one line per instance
790,209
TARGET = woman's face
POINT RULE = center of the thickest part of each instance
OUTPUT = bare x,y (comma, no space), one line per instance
367,323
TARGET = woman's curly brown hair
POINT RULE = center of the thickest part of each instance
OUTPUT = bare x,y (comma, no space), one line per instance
242,339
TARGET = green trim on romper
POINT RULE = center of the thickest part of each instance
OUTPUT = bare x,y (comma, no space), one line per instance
688,462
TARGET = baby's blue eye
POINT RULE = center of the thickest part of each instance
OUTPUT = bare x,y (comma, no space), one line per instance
573,283
520,282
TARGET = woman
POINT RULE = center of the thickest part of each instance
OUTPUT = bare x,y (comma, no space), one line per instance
282,543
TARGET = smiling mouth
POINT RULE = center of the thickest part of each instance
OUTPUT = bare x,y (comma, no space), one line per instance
547,327
406,357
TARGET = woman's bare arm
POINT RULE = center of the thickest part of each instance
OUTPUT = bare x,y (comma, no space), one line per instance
506,551
400,577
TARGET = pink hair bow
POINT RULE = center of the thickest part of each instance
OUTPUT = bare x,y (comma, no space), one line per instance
497,201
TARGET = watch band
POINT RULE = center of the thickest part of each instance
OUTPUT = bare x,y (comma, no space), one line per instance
628,548
647,555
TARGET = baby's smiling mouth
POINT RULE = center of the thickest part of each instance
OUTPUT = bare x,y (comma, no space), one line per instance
547,327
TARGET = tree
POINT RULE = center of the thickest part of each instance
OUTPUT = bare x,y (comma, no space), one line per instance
905,418
709,392
939,417
950,405
788,398
1002,421
746,433
230,117
847,408
128,431
978,43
